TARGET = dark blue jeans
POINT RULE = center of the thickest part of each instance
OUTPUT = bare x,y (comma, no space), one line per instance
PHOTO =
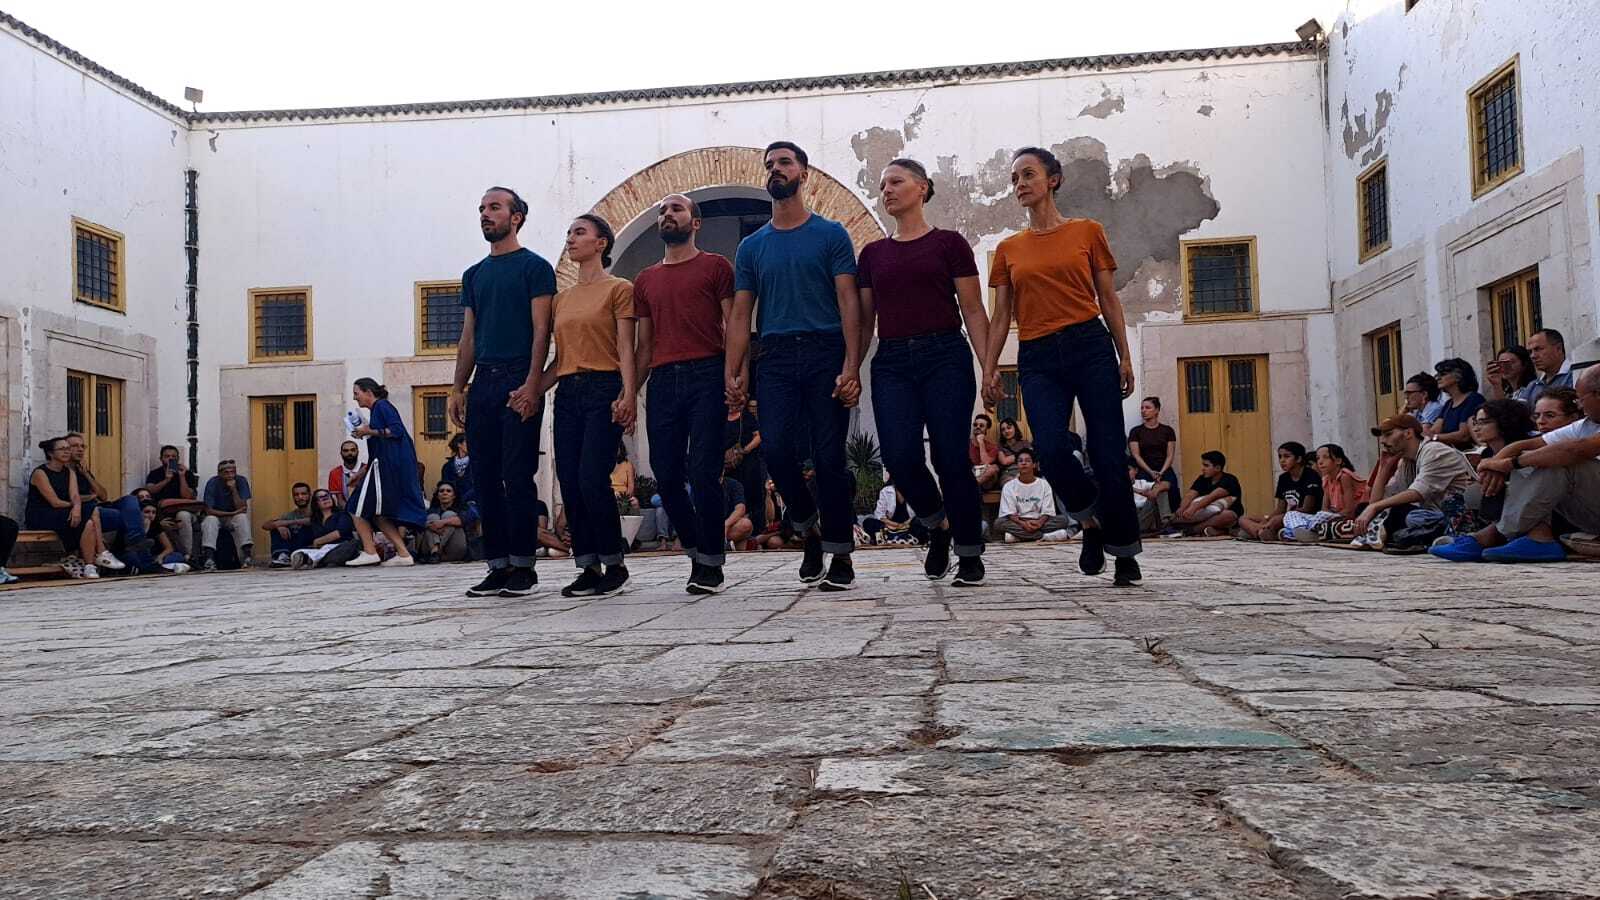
794,386
684,419
299,538
505,456
927,382
586,452
1079,363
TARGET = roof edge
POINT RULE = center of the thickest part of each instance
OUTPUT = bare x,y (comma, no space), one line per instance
78,59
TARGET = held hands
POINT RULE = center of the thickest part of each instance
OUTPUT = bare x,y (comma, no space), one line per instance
847,387
993,393
1492,475
734,392
625,411
456,404
525,401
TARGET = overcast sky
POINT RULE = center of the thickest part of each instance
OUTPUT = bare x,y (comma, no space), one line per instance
297,53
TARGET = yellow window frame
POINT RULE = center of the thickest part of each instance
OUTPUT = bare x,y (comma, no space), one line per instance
1364,250
256,295
1185,248
1481,184
419,292
1522,284
119,302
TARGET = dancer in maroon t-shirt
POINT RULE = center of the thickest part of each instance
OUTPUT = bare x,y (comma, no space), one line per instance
682,303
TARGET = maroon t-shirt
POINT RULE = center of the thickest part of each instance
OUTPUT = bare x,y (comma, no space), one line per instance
683,301
914,282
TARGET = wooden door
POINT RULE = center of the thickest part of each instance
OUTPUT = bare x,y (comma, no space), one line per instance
283,451
1225,406
94,410
1388,374
431,418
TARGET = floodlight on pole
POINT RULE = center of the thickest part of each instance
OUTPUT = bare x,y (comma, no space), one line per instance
194,95
1311,31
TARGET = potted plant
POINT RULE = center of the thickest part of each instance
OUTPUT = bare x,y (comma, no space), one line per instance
631,520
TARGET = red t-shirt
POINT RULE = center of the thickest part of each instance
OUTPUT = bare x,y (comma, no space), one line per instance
914,282
683,301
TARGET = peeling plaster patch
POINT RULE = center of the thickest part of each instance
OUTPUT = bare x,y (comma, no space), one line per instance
1373,152
1356,134
1402,78
1206,110
875,147
914,121
1110,104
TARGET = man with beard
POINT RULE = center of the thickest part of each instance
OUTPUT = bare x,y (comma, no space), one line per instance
343,477
505,337
801,268
682,303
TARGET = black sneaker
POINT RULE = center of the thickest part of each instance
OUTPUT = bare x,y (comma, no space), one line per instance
1093,558
1128,574
937,563
841,574
811,562
492,583
520,582
969,572
280,561
585,585
694,575
706,580
612,581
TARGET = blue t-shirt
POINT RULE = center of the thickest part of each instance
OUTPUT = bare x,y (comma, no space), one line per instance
216,494
498,289
1456,416
791,272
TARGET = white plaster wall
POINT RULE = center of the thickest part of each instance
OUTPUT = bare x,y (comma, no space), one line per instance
72,145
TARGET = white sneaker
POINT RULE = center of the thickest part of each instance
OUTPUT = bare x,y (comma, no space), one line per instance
90,572
7,577
301,560
106,561
1060,534
1011,538
398,561
365,559
176,568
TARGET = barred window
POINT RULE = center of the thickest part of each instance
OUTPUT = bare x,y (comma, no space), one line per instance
1197,385
439,316
280,325
1220,277
435,421
1515,310
97,265
1496,129
305,424
1373,197
1242,385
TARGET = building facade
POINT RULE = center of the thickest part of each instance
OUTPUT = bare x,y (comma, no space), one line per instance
1273,288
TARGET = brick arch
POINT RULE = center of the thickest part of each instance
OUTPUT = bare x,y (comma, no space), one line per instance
713,167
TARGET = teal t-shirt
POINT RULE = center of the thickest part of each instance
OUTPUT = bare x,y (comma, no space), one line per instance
498,289
791,272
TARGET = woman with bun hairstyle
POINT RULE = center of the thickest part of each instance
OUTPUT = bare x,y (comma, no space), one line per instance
918,287
390,493
594,377
1057,276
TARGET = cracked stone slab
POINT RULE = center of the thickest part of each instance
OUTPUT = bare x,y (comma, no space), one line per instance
773,730
237,693
1271,701
1283,672
1052,660
488,679
1541,695
800,648
1491,668
587,655
650,682
211,797
648,642
1416,631
140,870
321,724
79,735
818,679
693,798
555,735
405,660
1414,840
1012,716
548,870
1132,846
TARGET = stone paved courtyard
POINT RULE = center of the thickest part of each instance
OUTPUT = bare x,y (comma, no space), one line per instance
1254,722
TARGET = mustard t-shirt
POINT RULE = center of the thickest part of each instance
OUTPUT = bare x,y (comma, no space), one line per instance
1051,275
586,325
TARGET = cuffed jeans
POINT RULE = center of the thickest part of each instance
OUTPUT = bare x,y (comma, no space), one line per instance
1079,363
505,456
927,382
586,451
795,381
685,416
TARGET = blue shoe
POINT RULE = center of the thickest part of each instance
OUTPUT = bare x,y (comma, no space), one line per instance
1464,548
1526,550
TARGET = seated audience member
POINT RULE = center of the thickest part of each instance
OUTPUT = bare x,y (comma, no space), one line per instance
1028,507
1213,503
457,470
1154,446
1012,441
1496,424
624,481
1424,400
1299,490
891,521
289,532
983,454
1459,383
1411,517
88,485
227,499
159,553
1511,376
344,478
550,543
736,525
1550,474
773,537
172,481
656,530
55,504
451,522
333,535
1147,496
1344,493
1548,350
1555,408
122,524
8,542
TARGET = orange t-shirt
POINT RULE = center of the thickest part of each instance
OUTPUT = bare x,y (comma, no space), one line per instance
1051,275
586,325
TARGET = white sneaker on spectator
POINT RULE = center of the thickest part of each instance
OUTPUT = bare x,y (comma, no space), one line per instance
396,561
365,559
1011,538
301,560
1060,534
176,568
7,577
280,561
89,572
106,561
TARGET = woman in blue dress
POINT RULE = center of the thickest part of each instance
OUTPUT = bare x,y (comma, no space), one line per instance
389,495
